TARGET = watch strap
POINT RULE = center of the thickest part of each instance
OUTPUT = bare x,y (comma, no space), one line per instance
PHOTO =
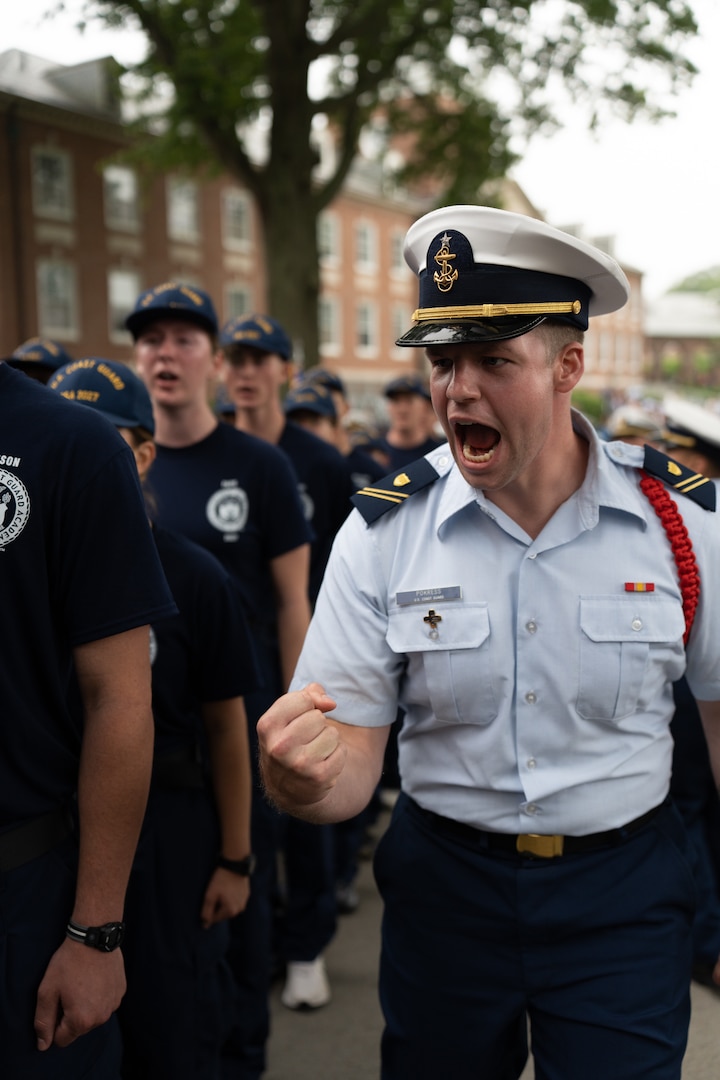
242,867
106,938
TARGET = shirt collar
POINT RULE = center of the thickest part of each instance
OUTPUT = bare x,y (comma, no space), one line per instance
605,485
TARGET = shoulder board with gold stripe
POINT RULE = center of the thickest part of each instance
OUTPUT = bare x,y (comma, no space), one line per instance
693,484
393,490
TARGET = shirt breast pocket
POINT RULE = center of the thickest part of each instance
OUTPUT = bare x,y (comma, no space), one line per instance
453,669
618,637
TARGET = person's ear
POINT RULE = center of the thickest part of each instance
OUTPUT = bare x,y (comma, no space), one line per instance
569,367
145,454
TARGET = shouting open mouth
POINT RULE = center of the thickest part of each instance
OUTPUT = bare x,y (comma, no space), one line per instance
477,442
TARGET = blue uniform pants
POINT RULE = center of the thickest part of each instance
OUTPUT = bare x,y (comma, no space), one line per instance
179,1003
35,903
593,948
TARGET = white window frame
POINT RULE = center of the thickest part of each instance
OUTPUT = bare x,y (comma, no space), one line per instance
366,246
236,238
56,272
121,211
182,228
366,326
398,265
329,326
239,299
58,204
120,300
329,238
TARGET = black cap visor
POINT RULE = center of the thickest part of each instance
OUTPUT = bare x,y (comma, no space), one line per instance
468,331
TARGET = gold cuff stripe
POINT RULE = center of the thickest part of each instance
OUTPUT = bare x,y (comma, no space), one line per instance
490,311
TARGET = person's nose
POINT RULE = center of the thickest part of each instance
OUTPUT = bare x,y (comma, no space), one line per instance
463,384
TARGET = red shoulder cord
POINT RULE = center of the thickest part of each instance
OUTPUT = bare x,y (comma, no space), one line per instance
681,545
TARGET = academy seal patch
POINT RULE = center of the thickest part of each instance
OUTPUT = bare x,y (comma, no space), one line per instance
14,507
227,509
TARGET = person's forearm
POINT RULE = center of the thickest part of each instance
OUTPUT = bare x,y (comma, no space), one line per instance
115,766
226,725
112,793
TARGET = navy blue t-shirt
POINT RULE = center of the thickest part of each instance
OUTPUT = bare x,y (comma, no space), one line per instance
364,469
71,512
202,654
325,489
402,456
236,496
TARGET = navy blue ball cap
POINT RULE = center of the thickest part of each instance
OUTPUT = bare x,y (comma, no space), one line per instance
308,398
172,301
39,351
109,387
407,384
322,377
259,332
490,275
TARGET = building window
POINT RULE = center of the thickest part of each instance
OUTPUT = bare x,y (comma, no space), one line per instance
123,291
397,246
236,219
329,326
399,324
238,301
366,327
57,299
365,246
183,211
52,184
122,201
329,237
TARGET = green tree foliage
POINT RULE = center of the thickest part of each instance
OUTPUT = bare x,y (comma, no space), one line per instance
705,281
454,79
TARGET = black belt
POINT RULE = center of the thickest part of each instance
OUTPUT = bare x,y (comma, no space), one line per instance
34,838
535,845
179,770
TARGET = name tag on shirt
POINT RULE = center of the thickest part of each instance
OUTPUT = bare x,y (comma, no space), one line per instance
427,596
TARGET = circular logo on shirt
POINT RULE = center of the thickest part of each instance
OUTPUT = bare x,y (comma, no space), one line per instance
227,509
14,507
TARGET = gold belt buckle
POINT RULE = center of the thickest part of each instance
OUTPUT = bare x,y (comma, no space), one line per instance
544,847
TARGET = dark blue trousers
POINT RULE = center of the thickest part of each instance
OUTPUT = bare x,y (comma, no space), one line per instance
35,903
179,1003
593,948
694,793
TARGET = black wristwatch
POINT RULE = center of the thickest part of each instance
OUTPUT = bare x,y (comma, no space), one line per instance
106,938
244,867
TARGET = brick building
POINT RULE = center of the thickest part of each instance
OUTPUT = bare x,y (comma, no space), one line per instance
81,235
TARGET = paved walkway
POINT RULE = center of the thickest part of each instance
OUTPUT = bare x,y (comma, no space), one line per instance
341,1041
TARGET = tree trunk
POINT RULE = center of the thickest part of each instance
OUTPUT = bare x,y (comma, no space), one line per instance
287,204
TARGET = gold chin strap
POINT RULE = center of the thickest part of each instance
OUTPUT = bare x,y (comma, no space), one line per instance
492,311
673,438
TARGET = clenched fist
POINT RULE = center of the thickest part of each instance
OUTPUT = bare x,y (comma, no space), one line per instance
301,749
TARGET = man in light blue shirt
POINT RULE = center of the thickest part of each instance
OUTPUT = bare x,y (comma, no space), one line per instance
528,594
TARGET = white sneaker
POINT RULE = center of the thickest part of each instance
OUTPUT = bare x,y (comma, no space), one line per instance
306,985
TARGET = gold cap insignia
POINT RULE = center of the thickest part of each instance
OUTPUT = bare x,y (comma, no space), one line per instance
446,277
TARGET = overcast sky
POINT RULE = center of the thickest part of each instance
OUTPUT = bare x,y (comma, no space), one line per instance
653,187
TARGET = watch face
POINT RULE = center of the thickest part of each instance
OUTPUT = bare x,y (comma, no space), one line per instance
109,936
